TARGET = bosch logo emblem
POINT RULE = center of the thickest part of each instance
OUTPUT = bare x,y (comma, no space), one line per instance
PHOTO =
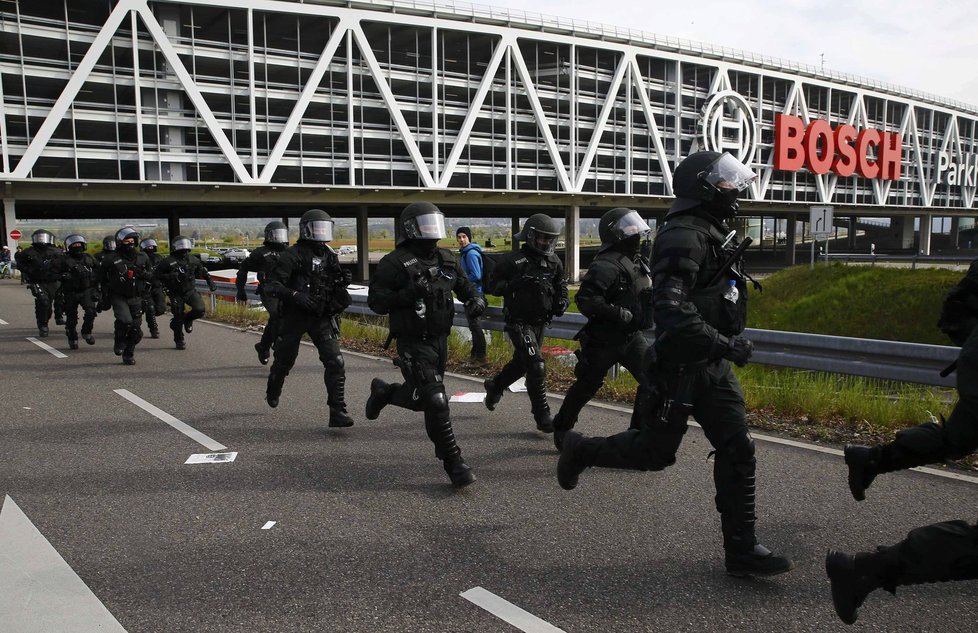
728,125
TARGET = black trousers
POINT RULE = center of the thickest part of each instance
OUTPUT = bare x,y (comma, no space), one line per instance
295,323
527,361
478,337
181,315
44,297
128,312
935,553
273,306
86,301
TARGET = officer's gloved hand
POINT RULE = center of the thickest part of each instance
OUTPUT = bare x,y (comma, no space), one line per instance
242,295
624,316
474,307
736,349
211,285
561,307
104,304
346,278
303,300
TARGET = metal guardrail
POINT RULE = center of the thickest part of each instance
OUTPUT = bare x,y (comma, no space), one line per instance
887,360
963,260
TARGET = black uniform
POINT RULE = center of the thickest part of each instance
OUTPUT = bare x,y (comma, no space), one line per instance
415,289
262,260
154,303
308,280
615,280
123,276
534,290
80,288
38,266
178,273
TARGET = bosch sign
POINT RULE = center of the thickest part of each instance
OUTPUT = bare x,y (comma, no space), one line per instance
843,150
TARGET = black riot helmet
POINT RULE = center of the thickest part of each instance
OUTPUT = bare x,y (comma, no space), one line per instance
148,245
710,179
315,225
126,239
42,237
277,234
622,224
180,245
421,221
108,244
539,233
75,245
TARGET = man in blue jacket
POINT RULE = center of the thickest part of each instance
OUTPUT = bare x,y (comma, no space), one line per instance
470,256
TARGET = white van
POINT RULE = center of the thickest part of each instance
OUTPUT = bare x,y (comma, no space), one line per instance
347,250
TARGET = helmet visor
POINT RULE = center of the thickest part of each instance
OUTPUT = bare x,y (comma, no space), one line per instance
182,244
541,242
430,226
278,236
72,240
631,224
42,237
728,173
318,230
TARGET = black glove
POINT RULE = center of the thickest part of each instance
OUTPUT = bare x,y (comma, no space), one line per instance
211,285
474,307
304,301
561,307
104,304
736,349
241,296
346,278
624,316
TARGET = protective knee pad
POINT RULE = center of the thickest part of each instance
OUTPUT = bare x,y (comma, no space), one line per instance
434,399
536,370
335,364
195,314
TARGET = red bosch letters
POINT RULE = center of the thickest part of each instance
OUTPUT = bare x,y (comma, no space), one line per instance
843,150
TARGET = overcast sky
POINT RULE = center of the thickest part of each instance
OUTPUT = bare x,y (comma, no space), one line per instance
929,45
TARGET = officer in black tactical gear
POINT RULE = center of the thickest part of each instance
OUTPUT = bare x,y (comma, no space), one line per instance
108,246
262,260
123,275
414,285
534,290
178,274
154,303
38,265
941,551
77,270
311,286
615,297
687,371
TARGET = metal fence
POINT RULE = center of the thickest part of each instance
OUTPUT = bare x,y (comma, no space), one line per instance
888,360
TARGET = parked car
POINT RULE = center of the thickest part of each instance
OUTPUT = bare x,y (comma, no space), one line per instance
209,258
347,250
236,254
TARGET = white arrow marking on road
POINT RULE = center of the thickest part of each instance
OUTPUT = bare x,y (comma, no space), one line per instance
184,428
47,347
39,591
508,612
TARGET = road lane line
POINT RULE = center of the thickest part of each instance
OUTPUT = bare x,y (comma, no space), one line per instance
2,322
268,525
184,428
508,612
47,347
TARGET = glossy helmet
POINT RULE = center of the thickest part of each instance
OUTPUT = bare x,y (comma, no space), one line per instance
147,244
277,233
315,225
42,237
108,243
77,241
539,233
180,243
126,233
621,224
710,179
421,221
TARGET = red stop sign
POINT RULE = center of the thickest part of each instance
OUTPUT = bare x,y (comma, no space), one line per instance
15,234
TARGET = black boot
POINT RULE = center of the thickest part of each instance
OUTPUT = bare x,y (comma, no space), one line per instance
493,394
545,422
339,418
180,343
571,463
89,338
334,377
854,577
380,397
459,472
128,355
863,463
439,428
42,331
274,389
154,329
72,343
760,561
119,342
263,353
536,389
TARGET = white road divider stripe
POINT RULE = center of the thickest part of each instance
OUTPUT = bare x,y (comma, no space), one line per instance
2,322
508,612
184,428
47,348
268,525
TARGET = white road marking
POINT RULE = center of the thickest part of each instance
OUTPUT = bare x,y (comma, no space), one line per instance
508,612
212,458
184,428
2,322
268,525
47,347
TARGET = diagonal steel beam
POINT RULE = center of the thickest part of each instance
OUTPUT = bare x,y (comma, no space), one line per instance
660,149
602,122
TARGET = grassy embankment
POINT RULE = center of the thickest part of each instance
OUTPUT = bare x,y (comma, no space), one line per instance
894,304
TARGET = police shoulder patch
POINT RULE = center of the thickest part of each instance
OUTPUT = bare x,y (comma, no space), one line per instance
410,262
521,260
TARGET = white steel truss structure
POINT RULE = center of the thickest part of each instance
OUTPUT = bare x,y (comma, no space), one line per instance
406,95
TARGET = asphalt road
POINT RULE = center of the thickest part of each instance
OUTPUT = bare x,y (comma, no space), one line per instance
369,536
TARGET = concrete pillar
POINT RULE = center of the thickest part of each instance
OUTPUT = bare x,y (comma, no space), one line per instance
9,224
902,231
363,244
955,231
515,229
853,229
173,225
925,232
572,243
790,235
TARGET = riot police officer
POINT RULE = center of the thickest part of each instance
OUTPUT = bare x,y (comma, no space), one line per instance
154,303
108,246
698,324
534,289
309,282
77,270
262,260
178,274
38,265
123,275
614,296
414,285
933,553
